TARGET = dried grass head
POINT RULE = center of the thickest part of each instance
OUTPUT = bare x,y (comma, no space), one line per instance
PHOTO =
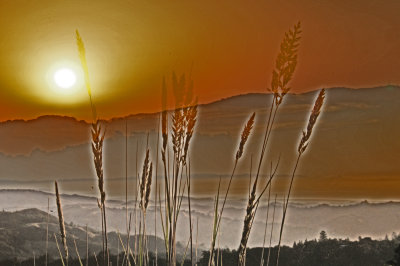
97,149
285,63
312,121
145,182
245,135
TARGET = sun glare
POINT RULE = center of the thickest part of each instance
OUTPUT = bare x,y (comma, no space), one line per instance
65,78
64,83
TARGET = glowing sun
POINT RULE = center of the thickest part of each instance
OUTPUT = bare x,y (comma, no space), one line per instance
65,78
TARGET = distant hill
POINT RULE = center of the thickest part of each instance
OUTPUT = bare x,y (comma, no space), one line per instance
353,154
306,218
23,233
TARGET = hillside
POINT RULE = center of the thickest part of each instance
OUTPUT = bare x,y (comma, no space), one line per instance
23,234
354,148
306,218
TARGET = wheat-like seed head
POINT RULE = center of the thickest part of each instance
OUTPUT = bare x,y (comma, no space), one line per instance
190,118
311,122
178,86
145,183
164,121
143,179
97,149
245,135
164,130
183,91
183,118
177,132
82,57
285,63
61,220
148,186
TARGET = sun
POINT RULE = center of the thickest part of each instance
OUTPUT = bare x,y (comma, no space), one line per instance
64,78
64,83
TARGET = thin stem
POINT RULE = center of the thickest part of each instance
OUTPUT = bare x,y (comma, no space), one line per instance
59,251
155,211
77,253
197,236
87,246
47,228
126,184
265,230
272,229
285,207
220,213
105,233
266,136
190,218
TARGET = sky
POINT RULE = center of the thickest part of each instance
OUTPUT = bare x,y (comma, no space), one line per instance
226,47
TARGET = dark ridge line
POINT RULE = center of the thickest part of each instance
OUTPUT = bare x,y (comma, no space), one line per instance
200,105
294,204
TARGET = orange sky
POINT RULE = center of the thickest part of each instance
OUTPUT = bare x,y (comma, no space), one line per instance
229,45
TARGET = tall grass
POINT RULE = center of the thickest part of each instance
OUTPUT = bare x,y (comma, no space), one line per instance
218,216
272,230
63,232
184,119
177,131
285,65
47,230
145,188
265,229
304,142
97,147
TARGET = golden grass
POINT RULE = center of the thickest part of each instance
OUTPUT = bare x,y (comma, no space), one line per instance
63,232
285,65
97,145
217,219
145,188
176,163
82,57
301,149
183,119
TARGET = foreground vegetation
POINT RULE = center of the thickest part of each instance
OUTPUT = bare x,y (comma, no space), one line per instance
177,129
363,252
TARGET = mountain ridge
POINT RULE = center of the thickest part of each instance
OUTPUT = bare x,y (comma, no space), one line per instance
304,221
17,239
203,104
354,146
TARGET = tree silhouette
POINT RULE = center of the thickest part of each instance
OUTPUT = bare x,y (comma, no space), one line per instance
323,236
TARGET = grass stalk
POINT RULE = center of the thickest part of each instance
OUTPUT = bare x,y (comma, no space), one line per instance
47,230
197,237
244,137
190,215
183,123
272,230
97,143
126,185
304,142
87,246
95,257
284,68
265,229
59,251
156,177
63,232
77,253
